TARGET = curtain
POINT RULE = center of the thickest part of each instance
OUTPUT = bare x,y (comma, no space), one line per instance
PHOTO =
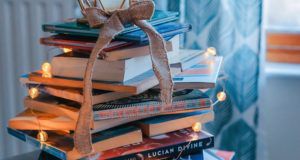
233,27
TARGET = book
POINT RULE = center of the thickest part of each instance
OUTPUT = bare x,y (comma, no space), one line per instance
36,120
135,106
138,50
110,123
166,30
75,94
73,65
117,50
200,76
209,154
283,47
164,146
136,85
74,28
80,42
60,144
186,58
59,110
213,154
148,103
169,145
168,123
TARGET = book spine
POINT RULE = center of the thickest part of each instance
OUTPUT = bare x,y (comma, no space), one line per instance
149,109
171,151
34,142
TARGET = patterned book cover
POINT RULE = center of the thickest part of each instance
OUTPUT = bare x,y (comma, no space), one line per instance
164,146
148,103
75,28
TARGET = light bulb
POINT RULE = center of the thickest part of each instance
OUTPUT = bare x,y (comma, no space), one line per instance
197,127
46,67
66,50
42,136
221,96
33,93
211,51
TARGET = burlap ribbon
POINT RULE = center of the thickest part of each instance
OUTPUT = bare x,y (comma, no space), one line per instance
112,24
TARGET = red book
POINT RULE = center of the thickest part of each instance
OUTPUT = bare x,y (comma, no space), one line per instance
172,144
80,43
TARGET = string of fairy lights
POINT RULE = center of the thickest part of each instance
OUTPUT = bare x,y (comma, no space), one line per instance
46,68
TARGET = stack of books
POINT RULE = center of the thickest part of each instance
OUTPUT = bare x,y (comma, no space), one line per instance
128,120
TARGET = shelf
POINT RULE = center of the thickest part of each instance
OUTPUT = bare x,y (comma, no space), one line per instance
282,69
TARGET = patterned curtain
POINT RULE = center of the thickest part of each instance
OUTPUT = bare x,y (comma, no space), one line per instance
234,28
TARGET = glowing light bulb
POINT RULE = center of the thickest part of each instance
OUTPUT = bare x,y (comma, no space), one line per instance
66,50
46,67
33,93
42,136
221,96
197,127
211,51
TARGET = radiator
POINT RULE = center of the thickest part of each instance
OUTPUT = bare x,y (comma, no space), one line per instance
20,52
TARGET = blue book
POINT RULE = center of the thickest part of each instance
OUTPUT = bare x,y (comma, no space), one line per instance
167,31
75,28
60,144
168,123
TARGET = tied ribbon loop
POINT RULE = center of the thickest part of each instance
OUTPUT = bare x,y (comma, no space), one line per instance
96,17
111,24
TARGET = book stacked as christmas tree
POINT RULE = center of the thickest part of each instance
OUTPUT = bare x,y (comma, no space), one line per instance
128,120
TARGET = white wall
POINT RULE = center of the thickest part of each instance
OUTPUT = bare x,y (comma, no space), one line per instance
20,52
279,90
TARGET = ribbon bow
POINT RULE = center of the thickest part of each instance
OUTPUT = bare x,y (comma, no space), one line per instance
111,24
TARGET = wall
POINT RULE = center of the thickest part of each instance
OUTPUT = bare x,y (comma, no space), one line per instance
20,52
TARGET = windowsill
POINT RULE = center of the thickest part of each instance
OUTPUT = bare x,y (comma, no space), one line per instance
282,69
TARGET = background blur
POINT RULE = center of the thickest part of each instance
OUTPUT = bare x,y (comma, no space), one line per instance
258,120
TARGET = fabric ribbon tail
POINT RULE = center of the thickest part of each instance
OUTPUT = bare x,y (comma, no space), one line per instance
82,136
160,61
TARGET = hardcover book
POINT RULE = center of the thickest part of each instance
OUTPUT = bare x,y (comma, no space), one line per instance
36,120
60,144
164,146
200,76
136,85
75,94
148,103
168,123
167,30
186,58
117,50
80,42
135,106
73,65
74,28
168,145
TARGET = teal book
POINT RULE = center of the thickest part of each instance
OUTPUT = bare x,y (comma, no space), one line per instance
75,28
172,122
60,144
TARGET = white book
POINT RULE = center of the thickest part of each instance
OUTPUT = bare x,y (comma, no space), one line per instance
73,65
